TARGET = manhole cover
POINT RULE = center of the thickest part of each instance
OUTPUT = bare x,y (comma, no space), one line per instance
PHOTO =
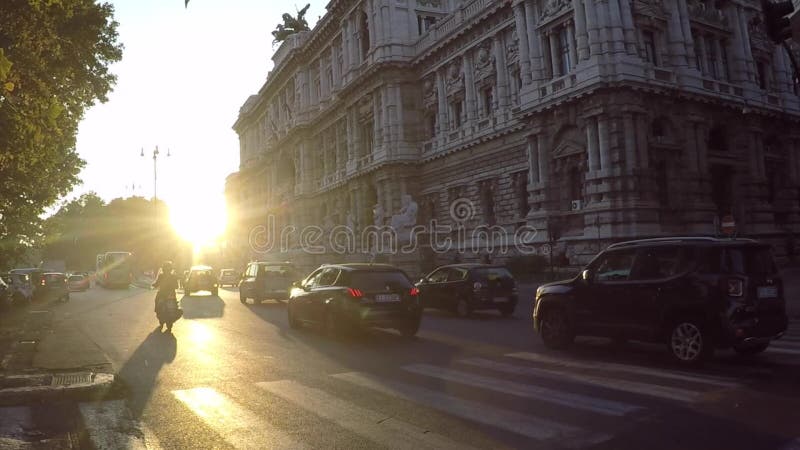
64,379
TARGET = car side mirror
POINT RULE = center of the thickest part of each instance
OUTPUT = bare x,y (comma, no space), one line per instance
587,276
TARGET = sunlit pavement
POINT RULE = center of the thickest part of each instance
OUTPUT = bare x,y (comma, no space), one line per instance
236,376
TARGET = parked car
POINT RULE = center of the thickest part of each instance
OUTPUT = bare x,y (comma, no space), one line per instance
355,296
77,283
201,278
36,278
464,288
267,281
228,276
692,294
21,288
56,287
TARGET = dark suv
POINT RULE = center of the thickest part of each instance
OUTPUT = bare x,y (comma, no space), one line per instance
692,294
353,296
267,281
463,288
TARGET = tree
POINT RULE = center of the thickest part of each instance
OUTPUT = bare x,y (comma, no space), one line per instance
54,64
291,25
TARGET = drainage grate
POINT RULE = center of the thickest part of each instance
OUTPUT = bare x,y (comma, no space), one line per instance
65,379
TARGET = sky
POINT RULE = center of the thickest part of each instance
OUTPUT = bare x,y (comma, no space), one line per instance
183,76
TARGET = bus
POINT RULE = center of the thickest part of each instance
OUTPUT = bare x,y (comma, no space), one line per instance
114,269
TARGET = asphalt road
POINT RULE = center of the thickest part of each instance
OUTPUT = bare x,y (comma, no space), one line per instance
236,376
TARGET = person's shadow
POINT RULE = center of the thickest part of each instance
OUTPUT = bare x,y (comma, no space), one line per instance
141,370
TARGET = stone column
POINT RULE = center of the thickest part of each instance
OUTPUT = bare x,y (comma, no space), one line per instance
581,35
701,58
592,151
700,133
522,34
782,74
687,31
748,53
573,51
370,23
543,157
604,142
555,55
388,122
502,72
677,43
628,26
377,119
593,27
629,130
350,135
720,71
400,119
533,160
469,87
441,97
617,35
641,140
377,22
533,41
323,80
606,36
737,56
346,46
335,66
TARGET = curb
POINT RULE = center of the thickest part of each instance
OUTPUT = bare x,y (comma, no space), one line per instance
33,388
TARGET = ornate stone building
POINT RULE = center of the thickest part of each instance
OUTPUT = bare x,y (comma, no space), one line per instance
591,120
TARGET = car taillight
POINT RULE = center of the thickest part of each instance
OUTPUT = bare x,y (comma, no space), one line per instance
414,292
43,283
477,286
355,293
735,287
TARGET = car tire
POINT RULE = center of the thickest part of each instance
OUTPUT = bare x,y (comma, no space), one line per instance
242,297
750,350
215,292
293,322
688,342
507,310
555,329
408,331
463,308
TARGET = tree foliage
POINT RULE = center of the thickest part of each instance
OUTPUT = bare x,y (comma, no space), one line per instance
87,226
291,25
54,64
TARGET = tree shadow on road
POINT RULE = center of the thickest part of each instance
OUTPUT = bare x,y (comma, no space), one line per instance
140,372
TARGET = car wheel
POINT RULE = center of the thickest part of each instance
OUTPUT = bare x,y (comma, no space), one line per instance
215,292
242,298
408,331
507,310
463,308
555,330
749,350
688,342
293,322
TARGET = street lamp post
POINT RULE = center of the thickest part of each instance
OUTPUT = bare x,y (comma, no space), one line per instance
155,171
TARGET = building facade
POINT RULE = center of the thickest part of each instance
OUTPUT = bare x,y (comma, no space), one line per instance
588,120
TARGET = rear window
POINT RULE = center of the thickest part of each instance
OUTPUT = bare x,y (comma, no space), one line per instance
202,273
378,281
749,261
76,278
491,274
227,272
53,277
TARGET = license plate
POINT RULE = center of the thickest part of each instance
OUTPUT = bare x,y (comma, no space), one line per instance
500,299
387,298
767,292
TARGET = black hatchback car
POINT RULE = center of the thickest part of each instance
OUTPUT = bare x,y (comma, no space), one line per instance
464,288
692,294
354,296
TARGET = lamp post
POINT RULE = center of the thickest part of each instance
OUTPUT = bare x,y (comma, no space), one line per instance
155,171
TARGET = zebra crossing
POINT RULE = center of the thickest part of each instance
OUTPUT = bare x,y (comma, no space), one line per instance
528,377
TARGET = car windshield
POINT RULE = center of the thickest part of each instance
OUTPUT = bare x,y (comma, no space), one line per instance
76,278
376,281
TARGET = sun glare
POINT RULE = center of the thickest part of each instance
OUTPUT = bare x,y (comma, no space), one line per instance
199,220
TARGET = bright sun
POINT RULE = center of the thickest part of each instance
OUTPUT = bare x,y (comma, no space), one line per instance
198,219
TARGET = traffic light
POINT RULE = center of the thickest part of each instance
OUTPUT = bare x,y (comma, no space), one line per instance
776,20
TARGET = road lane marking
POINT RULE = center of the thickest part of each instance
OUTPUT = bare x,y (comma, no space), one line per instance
703,379
652,390
237,426
377,427
567,436
593,404
109,426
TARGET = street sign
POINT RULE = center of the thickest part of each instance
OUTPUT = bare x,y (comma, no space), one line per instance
728,225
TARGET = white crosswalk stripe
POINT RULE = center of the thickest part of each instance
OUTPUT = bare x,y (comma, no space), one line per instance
636,370
239,427
568,436
377,427
652,390
587,403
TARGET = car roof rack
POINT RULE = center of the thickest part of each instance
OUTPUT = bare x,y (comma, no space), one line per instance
678,239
